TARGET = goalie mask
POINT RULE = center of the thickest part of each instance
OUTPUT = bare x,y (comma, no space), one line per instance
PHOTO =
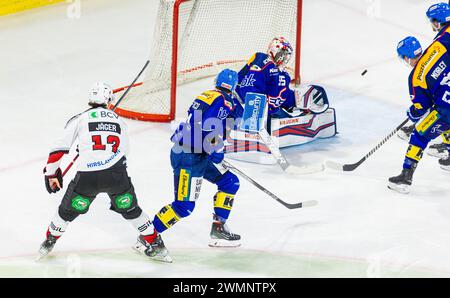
280,51
100,94
314,100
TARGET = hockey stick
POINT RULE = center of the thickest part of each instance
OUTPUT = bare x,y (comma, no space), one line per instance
279,157
113,109
350,167
305,204
131,85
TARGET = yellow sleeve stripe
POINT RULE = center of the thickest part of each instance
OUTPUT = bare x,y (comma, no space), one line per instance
250,61
13,6
418,106
208,97
426,63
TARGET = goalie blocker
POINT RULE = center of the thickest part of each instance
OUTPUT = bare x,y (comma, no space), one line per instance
244,143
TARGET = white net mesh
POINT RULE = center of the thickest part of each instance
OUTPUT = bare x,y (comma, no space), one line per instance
213,34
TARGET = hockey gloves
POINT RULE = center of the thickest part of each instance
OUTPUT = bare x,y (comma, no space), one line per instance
54,182
216,157
415,114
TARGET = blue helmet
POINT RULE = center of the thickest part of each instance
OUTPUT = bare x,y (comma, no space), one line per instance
227,79
439,12
409,47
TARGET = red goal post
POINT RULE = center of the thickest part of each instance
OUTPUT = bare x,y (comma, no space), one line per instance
195,39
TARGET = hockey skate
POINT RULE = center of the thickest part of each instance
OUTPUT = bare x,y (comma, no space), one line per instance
402,183
155,251
405,132
47,246
221,235
445,163
438,150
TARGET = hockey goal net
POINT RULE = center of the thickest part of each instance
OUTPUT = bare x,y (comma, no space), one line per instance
195,39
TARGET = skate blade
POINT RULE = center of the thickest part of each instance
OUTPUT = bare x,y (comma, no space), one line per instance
305,170
402,188
445,168
436,153
140,249
40,258
403,136
42,255
224,243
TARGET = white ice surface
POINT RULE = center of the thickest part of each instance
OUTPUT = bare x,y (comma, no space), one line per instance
360,228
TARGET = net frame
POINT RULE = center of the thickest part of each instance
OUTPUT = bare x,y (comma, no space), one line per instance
174,73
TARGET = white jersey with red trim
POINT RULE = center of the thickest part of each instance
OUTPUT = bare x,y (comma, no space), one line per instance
102,139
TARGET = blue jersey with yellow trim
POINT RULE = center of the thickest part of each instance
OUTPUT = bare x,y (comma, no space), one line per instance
444,36
261,75
206,122
429,81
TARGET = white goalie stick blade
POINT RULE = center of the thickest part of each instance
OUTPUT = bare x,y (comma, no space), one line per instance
334,165
310,203
281,160
304,170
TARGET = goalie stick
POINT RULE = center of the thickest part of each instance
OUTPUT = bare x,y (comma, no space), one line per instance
305,204
350,167
113,109
279,157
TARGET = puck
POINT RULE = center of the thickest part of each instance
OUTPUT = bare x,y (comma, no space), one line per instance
364,72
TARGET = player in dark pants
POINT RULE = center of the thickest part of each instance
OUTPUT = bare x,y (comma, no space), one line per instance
114,181
102,168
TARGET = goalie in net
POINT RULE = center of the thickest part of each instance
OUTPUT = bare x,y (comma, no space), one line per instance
295,115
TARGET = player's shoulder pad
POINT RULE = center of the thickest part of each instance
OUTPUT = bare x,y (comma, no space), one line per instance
209,96
74,118
426,63
260,61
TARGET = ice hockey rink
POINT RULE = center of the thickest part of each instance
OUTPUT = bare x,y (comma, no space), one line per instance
52,55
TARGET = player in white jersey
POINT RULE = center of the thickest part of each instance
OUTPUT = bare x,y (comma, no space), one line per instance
102,140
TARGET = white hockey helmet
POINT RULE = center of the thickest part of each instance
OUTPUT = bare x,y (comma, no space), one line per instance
101,94
280,51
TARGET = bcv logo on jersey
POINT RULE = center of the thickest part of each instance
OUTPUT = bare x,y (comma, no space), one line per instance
103,114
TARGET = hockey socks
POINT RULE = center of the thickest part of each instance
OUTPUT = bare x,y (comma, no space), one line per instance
145,227
57,227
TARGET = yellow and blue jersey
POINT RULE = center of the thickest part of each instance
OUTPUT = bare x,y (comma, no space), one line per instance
429,81
206,121
261,75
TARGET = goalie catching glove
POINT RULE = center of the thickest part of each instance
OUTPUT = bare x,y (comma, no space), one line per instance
312,99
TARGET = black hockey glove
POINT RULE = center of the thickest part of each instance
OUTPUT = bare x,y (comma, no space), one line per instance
53,188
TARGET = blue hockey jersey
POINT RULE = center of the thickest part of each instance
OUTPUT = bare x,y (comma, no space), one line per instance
204,129
429,81
261,75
